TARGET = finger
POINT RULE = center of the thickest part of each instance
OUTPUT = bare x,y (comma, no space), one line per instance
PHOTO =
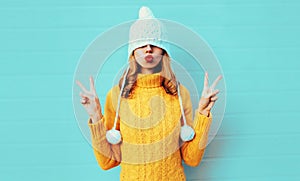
214,93
92,86
83,100
85,103
210,105
82,95
86,95
206,80
203,102
214,98
81,86
216,82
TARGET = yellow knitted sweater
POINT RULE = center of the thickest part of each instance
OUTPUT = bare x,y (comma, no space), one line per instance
149,123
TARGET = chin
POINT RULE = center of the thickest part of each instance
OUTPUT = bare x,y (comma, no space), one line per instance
150,66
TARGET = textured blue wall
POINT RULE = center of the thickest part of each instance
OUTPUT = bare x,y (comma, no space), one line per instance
256,42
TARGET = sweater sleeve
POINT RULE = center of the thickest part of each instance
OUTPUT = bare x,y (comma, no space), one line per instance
193,151
107,155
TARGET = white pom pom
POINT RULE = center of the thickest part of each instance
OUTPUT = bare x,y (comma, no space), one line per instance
113,136
145,13
187,133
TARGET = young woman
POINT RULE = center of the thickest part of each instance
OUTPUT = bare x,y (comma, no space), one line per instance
147,125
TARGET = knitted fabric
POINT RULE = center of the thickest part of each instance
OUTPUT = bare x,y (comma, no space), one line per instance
147,30
150,126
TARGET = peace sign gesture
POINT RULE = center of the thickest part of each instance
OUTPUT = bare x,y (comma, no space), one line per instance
90,100
209,95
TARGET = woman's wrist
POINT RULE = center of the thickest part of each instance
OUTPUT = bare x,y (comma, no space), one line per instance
204,112
96,117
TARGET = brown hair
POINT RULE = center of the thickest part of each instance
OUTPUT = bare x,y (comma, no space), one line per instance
169,80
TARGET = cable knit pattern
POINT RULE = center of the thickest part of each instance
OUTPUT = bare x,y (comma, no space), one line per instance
150,124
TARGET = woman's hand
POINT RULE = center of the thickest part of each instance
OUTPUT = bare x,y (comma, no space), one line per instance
209,96
90,101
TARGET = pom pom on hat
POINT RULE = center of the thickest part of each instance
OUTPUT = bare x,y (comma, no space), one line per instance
147,30
145,13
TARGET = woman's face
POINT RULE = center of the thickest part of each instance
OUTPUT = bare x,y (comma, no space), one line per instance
148,57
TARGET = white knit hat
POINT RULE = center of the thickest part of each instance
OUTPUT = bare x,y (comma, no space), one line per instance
147,30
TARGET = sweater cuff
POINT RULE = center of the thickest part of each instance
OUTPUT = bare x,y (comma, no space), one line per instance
97,129
202,122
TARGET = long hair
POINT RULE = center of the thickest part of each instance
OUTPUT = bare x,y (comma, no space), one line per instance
169,80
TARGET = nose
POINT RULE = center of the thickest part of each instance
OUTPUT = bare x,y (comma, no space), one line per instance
148,49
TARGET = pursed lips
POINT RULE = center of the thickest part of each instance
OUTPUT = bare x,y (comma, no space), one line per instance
149,58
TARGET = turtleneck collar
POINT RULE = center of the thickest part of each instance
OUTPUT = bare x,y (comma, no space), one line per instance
149,80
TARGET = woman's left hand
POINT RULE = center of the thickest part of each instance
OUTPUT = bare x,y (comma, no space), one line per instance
209,96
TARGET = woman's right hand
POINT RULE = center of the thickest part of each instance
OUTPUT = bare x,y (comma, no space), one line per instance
90,101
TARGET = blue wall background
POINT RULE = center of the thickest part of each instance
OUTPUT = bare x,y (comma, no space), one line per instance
256,42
